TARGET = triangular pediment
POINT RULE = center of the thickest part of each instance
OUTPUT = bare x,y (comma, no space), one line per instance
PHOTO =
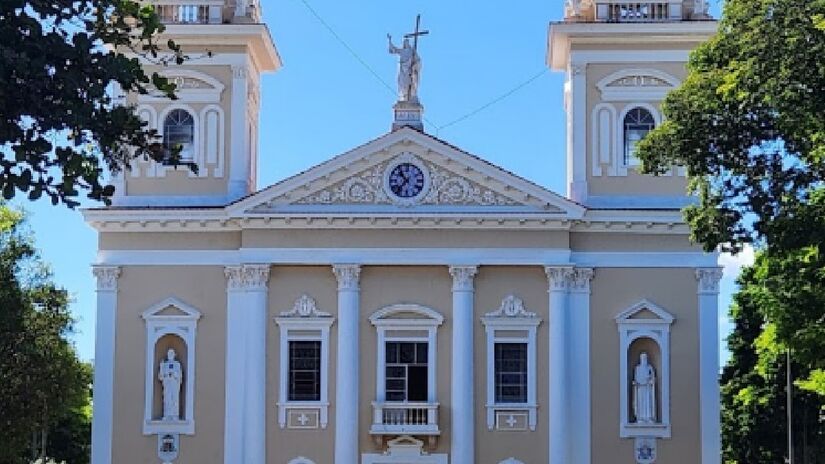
645,311
438,178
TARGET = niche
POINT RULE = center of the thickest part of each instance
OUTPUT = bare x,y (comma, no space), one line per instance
644,359
170,325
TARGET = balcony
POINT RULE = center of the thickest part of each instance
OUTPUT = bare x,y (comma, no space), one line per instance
206,11
638,12
405,418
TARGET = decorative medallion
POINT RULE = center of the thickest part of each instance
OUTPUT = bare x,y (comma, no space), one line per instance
305,306
645,450
168,445
511,306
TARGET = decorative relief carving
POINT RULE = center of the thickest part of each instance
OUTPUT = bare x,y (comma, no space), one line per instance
347,275
106,277
247,276
639,81
558,277
445,189
305,307
579,279
644,450
511,306
239,72
184,83
708,279
463,277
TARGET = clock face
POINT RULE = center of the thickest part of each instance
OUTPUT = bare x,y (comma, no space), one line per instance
406,180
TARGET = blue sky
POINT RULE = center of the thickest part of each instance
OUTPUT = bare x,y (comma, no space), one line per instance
325,101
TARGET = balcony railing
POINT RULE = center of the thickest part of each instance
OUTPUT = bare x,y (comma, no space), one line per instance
189,11
630,12
393,418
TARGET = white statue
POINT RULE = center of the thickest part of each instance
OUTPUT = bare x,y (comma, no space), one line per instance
170,375
644,391
409,68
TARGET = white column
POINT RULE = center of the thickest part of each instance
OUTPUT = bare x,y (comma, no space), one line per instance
557,278
346,381
461,386
245,421
578,361
577,132
257,278
103,391
709,414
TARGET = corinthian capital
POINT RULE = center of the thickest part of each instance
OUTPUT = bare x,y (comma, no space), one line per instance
558,277
348,276
463,277
708,280
247,277
579,279
106,277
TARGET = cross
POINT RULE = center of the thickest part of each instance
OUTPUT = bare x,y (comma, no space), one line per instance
303,419
418,32
511,421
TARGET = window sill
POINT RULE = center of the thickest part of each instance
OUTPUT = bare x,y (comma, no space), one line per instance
303,414
512,416
633,430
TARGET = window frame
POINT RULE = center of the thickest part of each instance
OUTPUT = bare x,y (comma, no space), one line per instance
193,135
303,323
498,373
629,159
502,326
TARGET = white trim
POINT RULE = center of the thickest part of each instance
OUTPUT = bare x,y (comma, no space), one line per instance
603,140
510,461
642,201
409,256
647,93
657,330
185,327
301,460
619,160
501,320
630,56
577,188
288,323
220,155
104,376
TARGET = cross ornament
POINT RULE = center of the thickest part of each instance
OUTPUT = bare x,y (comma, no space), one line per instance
303,419
414,35
511,421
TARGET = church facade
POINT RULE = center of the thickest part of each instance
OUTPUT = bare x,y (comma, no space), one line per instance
407,301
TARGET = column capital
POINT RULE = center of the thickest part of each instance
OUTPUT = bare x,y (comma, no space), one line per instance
106,277
348,276
558,277
579,279
247,277
463,277
708,280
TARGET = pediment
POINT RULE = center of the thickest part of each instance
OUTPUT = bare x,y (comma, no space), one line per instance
644,311
450,181
171,308
636,84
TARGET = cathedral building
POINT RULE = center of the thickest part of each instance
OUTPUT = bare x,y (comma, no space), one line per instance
406,301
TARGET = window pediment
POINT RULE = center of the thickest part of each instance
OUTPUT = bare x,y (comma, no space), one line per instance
406,313
637,84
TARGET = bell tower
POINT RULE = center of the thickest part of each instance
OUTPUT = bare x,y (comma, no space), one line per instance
621,58
215,117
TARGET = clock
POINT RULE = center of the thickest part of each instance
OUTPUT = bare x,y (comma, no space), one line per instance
406,180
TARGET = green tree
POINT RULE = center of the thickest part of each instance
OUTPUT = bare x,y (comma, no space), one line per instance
59,126
754,389
44,387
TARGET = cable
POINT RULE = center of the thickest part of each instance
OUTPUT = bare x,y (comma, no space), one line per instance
492,102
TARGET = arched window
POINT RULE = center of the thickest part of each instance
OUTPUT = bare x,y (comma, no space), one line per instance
179,130
637,123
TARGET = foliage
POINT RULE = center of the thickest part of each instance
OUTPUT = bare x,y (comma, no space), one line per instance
43,385
59,62
747,121
754,388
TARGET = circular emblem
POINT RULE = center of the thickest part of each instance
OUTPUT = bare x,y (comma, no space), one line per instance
406,180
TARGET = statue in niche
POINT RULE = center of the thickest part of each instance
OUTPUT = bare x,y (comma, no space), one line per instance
644,391
170,375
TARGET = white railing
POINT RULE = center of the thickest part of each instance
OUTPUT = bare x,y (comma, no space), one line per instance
630,12
189,11
405,417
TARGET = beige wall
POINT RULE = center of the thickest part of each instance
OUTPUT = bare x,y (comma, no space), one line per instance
169,241
179,181
613,242
493,283
613,291
140,287
287,284
634,183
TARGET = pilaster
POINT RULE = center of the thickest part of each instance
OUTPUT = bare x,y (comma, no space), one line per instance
103,390
245,434
461,385
558,279
578,361
709,413
240,151
347,365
